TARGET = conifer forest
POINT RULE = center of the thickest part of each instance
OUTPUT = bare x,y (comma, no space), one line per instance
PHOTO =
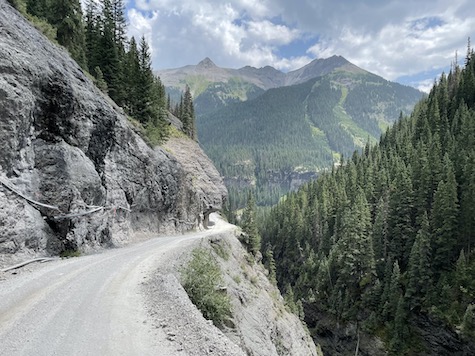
388,237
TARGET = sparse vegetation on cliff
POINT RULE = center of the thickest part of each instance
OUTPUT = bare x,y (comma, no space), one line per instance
202,280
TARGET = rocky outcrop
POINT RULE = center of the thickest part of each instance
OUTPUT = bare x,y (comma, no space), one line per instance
200,174
284,180
337,338
434,337
89,179
438,338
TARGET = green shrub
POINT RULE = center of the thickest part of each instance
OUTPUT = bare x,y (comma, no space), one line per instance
42,25
70,253
221,247
156,134
201,280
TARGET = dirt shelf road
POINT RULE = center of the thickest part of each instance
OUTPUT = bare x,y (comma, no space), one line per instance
91,305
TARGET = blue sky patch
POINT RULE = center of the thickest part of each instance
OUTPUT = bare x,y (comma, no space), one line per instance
426,78
426,23
298,47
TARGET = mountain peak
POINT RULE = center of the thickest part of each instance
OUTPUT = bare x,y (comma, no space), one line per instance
319,67
206,63
333,61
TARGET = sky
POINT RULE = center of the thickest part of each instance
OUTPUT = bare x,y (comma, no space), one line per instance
408,41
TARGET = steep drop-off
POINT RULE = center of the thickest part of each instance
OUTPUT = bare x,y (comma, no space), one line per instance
89,178
260,323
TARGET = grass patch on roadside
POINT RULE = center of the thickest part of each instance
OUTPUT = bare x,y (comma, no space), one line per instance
70,253
202,279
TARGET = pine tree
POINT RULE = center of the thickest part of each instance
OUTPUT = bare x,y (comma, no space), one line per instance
133,79
419,268
422,185
354,252
399,329
380,234
444,219
435,157
270,264
467,205
158,123
65,17
401,214
468,324
92,35
100,82
144,108
392,293
289,298
463,280
187,115
249,225
120,23
120,28
109,55
39,8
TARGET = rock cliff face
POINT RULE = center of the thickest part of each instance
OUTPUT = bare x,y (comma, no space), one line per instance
200,175
71,151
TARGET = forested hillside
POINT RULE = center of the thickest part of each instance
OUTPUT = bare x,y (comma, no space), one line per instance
286,136
385,243
219,95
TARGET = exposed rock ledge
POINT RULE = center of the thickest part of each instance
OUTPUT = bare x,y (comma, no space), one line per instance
63,143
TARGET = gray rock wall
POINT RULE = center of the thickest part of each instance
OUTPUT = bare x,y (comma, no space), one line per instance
63,143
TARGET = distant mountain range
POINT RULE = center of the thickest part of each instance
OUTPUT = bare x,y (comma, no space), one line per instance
265,78
270,131
214,87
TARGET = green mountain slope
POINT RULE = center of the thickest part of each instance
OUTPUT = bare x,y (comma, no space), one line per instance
285,136
383,247
218,95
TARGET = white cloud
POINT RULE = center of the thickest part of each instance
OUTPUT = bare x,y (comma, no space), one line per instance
256,8
233,34
293,63
411,45
268,32
391,38
425,85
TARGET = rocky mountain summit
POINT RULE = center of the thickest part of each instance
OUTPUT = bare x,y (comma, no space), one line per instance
74,175
264,78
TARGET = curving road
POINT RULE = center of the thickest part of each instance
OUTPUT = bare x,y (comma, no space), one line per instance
91,305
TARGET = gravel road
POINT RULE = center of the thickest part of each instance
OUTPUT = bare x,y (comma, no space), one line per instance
91,305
